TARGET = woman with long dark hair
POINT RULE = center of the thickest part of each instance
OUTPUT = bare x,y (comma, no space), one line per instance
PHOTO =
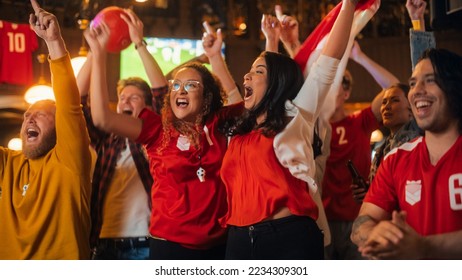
273,203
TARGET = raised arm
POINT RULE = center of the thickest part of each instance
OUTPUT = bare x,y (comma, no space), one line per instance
382,76
289,31
103,117
153,71
212,42
340,34
83,83
271,28
420,40
46,27
416,10
322,73
84,76
72,140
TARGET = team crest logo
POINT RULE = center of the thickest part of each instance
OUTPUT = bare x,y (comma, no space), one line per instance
413,191
183,143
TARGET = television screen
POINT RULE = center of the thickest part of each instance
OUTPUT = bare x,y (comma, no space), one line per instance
168,52
446,14
453,6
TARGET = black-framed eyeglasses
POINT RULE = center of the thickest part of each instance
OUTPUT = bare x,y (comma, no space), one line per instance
189,86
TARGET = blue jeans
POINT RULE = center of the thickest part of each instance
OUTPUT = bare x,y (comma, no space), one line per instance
342,248
122,249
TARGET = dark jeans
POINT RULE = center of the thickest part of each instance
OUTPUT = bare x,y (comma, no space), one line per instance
342,248
166,250
289,238
122,249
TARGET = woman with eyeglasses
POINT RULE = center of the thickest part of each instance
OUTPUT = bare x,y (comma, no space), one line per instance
185,150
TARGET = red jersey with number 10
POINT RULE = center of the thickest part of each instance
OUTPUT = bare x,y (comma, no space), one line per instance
18,41
430,194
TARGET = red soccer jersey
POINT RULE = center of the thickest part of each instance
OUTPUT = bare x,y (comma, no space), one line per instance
350,140
18,42
185,210
258,185
431,195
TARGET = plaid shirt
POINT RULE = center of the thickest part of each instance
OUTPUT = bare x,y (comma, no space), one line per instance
405,134
108,148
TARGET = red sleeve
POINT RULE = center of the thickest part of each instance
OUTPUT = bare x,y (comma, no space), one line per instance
152,127
382,191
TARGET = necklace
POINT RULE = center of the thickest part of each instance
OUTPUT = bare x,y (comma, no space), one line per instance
24,189
201,171
184,144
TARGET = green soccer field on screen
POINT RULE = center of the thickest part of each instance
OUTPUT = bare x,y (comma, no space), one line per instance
168,52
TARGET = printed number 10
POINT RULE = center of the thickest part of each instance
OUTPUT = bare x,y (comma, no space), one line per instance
17,42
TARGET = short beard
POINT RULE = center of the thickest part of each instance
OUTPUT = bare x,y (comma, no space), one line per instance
48,142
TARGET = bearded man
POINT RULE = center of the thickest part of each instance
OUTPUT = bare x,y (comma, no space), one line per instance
45,189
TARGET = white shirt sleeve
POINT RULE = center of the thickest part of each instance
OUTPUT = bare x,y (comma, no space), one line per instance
292,146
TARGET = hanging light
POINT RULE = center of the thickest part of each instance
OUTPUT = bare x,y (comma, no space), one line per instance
78,61
15,144
42,90
376,136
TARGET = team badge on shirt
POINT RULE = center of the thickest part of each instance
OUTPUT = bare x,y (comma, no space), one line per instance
183,143
413,191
